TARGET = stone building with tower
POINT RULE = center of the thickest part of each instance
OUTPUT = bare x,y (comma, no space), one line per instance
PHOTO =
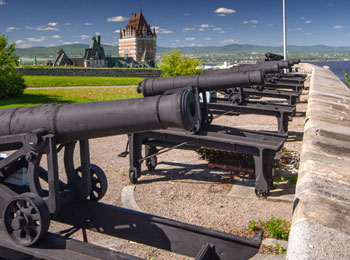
138,40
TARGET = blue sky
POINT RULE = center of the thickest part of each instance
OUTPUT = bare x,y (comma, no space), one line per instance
178,23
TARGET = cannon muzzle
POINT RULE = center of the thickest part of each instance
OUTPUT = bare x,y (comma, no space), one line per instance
71,122
204,82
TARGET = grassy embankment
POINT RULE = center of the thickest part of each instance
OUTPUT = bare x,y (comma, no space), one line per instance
65,81
33,97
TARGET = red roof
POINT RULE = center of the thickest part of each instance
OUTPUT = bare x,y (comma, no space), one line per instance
137,22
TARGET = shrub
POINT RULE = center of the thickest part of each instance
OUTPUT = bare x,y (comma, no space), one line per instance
174,63
278,228
11,83
347,77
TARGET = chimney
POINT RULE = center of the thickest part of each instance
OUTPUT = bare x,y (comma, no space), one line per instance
99,40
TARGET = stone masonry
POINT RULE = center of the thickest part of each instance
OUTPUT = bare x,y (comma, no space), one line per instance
142,73
320,228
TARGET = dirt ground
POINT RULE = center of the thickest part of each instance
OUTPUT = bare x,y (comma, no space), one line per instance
183,188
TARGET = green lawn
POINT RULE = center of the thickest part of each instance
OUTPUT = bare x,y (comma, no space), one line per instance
32,97
66,81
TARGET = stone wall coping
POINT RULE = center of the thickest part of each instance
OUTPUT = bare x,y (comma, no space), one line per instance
106,72
320,226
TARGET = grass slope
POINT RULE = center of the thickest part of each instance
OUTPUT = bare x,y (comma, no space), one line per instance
66,81
44,96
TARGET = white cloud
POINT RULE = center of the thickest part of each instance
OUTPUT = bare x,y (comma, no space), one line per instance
25,45
224,10
52,24
43,28
187,29
221,14
40,39
190,39
56,36
222,32
338,27
253,26
308,21
206,26
28,28
10,29
269,24
65,43
186,14
117,19
19,41
302,18
87,24
229,41
309,34
253,21
2,2
201,29
299,28
208,39
117,31
217,29
161,30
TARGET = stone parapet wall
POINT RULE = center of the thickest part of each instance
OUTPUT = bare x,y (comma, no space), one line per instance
321,217
142,73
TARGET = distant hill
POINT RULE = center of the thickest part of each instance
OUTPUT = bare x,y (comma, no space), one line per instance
77,50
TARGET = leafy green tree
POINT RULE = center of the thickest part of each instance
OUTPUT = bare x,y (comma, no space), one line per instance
11,83
174,63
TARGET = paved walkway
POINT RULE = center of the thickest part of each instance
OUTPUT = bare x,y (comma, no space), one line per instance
84,87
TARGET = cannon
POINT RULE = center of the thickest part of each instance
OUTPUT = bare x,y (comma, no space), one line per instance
32,195
273,56
261,145
266,67
157,86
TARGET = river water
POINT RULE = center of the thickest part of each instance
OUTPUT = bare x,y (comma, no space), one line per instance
337,67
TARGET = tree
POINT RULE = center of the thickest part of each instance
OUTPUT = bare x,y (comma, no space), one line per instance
174,63
11,83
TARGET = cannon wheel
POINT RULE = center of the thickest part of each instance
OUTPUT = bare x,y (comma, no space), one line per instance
99,182
26,218
151,163
132,176
262,194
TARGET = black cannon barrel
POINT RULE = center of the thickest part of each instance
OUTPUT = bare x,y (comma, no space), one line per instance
267,68
156,86
71,122
283,64
273,56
